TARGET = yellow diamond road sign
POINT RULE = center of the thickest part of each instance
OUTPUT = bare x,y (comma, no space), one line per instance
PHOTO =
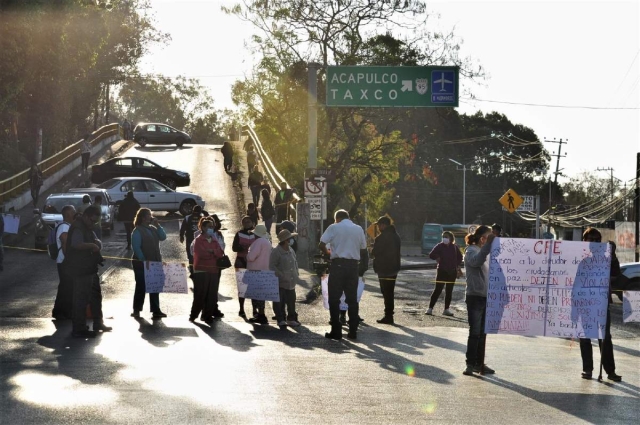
511,200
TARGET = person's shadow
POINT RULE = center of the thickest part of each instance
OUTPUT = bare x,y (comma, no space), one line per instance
160,335
228,336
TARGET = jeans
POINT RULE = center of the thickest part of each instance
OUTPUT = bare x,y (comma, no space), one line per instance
205,295
387,287
343,277
128,227
255,194
86,290
35,193
476,309
443,277
189,255
138,295
85,160
286,308
606,350
63,305
267,223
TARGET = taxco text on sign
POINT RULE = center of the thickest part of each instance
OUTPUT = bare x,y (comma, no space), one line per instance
392,86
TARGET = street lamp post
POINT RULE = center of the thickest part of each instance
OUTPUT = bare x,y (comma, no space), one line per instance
464,190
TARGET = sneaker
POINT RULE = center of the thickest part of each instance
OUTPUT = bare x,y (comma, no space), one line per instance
158,315
352,335
613,377
586,375
448,312
136,314
386,320
282,323
242,314
293,323
331,335
483,370
218,314
101,327
468,370
429,312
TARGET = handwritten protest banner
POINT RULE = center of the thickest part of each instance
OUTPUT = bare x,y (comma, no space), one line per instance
258,285
165,277
11,223
548,288
324,282
631,306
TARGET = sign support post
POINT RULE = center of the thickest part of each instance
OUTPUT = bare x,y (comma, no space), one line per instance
537,216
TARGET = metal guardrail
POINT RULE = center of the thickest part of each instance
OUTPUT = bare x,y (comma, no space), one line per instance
19,183
270,170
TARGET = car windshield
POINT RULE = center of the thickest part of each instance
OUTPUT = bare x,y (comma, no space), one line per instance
55,205
109,184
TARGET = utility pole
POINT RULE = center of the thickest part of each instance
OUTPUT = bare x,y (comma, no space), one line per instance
555,178
611,184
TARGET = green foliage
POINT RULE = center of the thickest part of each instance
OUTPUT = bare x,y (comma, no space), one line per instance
57,57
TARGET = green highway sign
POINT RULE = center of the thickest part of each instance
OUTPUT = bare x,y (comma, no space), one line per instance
394,86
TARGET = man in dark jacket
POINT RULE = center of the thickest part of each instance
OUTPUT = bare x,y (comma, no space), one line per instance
386,263
188,228
81,262
127,213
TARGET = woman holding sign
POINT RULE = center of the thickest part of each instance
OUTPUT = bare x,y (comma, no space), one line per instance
206,279
258,259
477,271
145,240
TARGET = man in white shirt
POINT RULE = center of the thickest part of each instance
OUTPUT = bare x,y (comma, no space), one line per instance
63,306
346,239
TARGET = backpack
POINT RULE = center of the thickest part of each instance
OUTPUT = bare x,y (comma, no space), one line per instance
52,243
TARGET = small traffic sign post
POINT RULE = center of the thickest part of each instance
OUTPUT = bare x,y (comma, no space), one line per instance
318,207
510,200
315,188
392,86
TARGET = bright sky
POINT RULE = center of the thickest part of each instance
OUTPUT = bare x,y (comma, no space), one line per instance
572,53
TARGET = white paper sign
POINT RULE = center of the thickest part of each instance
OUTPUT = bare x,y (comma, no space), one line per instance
324,282
631,306
258,285
548,288
11,223
165,277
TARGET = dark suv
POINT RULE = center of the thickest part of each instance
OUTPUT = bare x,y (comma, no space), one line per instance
159,134
138,167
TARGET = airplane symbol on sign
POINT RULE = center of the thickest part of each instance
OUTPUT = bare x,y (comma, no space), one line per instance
442,81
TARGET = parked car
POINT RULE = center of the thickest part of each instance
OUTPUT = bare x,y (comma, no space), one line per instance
108,206
630,276
138,167
152,194
159,134
51,214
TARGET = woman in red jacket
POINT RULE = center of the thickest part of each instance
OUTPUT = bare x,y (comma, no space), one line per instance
206,251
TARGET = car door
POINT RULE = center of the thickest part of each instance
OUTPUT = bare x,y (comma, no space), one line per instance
164,134
146,168
151,133
161,197
122,167
139,191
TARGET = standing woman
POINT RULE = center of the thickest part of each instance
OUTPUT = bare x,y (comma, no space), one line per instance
127,213
477,271
145,239
206,282
241,243
266,210
449,257
258,259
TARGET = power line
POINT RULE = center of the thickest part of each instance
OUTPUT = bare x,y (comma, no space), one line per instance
552,106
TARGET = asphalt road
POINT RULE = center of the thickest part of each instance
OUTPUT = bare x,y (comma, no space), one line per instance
173,371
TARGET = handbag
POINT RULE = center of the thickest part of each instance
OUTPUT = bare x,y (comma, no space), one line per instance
223,262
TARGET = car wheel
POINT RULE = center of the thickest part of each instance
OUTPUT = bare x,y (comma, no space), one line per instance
186,207
171,183
142,142
179,143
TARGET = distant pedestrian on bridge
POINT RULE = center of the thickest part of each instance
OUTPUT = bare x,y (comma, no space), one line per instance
255,184
252,159
346,239
227,155
126,129
35,183
282,201
477,272
145,239
266,210
449,258
85,148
